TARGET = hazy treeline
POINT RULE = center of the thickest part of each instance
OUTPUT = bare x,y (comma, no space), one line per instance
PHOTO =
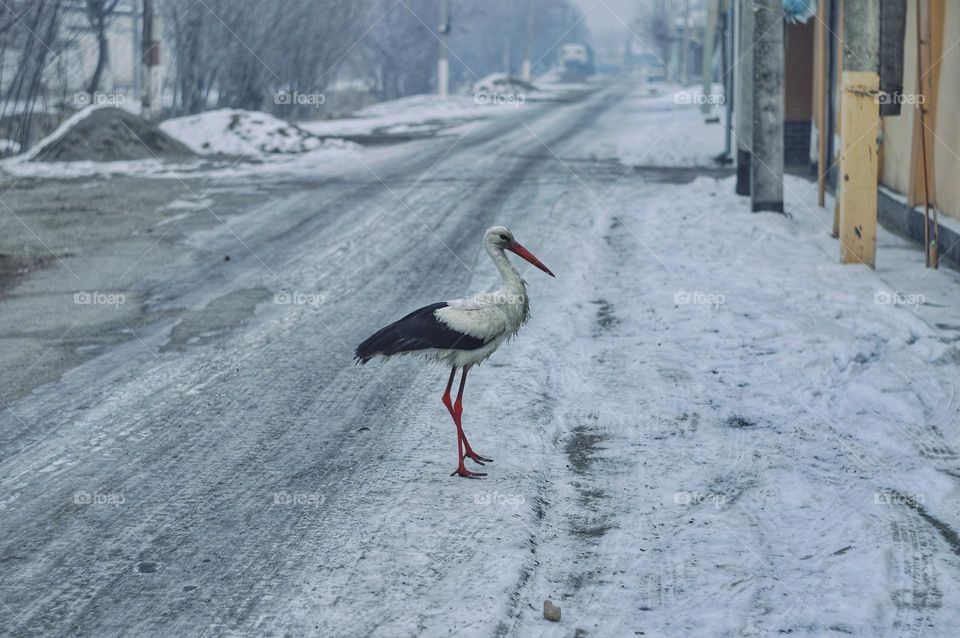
398,55
244,53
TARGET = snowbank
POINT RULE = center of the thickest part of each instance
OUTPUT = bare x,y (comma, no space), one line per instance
239,132
503,85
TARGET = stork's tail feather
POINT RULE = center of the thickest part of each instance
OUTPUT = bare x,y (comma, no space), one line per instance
388,341
379,343
399,336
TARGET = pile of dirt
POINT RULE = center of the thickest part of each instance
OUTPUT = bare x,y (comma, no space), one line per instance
107,134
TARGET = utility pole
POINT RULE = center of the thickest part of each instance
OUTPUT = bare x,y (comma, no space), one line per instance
136,50
150,61
744,90
685,45
709,42
766,165
671,35
528,51
728,78
859,125
443,62
821,92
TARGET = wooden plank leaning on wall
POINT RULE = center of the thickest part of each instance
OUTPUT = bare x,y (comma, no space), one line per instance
860,125
929,15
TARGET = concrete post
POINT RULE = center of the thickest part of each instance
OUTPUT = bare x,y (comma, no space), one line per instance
766,166
525,71
443,63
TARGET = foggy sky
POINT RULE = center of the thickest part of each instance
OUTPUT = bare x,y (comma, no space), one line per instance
604,16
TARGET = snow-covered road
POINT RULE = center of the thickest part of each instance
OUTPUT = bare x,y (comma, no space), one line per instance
708,428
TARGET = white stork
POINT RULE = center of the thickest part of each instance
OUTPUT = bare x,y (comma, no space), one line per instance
462,332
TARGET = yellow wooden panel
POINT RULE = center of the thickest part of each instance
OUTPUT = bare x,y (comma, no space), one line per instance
946,144
860,119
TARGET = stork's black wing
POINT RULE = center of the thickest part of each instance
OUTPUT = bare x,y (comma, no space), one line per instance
420,330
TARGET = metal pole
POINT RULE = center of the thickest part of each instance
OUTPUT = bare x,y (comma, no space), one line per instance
744,80
528,51
709,46
685,45
728,79
822,102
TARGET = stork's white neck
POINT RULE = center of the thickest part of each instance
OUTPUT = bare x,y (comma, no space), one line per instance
512,297
511,278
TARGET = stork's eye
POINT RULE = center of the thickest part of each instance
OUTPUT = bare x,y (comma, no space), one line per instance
504,237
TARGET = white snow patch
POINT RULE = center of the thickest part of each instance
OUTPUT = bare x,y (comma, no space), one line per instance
67,170
501,85
421,113
9,146
243,133
189,204
659,125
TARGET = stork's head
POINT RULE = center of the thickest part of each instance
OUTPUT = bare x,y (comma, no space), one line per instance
500,237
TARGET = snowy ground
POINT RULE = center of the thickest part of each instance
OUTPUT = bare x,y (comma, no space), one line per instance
420,113
770,436
423,115
661,125
708,427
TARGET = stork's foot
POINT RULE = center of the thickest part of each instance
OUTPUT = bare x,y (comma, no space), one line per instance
465,473
476,458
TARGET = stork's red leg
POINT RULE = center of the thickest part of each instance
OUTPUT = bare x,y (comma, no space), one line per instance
455,411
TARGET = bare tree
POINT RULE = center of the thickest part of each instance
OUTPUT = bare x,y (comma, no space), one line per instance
656,23
195,67
28,34
398,53
99,13
242,53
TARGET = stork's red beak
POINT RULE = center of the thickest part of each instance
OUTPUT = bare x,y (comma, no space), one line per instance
516,248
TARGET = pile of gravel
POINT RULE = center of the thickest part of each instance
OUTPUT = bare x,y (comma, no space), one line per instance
108,135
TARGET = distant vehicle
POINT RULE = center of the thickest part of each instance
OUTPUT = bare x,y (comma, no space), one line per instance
652,67
577,61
